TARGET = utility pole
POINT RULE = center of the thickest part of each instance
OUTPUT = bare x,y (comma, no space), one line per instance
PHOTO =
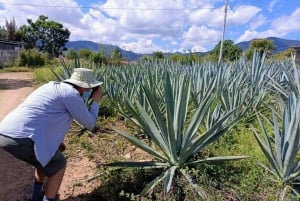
223,34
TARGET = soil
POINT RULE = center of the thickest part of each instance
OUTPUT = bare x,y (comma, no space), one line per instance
17,176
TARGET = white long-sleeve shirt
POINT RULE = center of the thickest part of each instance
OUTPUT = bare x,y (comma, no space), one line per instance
46,116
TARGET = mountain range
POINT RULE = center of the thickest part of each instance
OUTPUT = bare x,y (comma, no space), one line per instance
280,45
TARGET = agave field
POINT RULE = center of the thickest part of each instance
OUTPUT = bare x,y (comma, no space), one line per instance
181,114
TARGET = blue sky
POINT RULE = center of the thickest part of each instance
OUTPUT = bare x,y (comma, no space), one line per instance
145,26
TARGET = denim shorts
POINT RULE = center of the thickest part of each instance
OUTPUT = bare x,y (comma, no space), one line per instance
23,149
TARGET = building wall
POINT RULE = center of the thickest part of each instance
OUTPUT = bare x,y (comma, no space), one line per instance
8,56
8,51
297,54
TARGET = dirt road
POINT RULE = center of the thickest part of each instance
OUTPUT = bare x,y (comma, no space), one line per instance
17,87
16,176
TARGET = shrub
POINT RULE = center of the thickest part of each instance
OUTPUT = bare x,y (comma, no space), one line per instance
31,58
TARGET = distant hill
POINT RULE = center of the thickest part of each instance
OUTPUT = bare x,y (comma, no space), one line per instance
77,45
280,44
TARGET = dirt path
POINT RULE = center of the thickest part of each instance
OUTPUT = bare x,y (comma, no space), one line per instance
16,176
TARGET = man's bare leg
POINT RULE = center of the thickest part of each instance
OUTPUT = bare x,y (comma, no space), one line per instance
53,183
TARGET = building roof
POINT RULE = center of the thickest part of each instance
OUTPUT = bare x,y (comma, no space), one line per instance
10,42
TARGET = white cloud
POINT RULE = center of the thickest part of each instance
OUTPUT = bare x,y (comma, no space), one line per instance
272,4
141,46
287,24
242,14
96,27
214,17
54,11
200,36
249,35
209,17
257,22
144,17
279,28
198,48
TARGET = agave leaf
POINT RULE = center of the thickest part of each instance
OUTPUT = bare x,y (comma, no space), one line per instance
297,167
292,177
149,164
268,154
283,193
149,126
292,137
268,146
177,106
270,171
170,132
155,181
58,77
278,140
169,179
142,145
181,113
218,159
201,141
196,120
277,87
158,117
198,189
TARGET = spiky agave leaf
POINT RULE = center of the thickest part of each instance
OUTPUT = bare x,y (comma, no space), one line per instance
144,164
165,176
143,146
217,159
199,190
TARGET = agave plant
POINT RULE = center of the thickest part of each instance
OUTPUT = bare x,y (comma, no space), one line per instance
281,148
282,154
285,78
175,137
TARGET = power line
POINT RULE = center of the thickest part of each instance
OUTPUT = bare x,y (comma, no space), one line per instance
104,8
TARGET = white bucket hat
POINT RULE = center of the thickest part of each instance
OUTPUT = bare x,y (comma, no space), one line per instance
84,78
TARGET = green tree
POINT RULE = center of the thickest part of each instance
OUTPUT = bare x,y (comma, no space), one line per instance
85,54
285,54
2,33
71,54
210,57
146,58
24,35
158,55
260,45
116,56
185,58
231,52
47,35
11,29
100,57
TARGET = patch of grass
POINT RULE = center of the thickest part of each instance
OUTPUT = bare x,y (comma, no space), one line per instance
16,69
120,184
44,74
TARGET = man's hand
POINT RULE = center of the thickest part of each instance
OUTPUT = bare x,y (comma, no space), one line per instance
62,147
97,93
